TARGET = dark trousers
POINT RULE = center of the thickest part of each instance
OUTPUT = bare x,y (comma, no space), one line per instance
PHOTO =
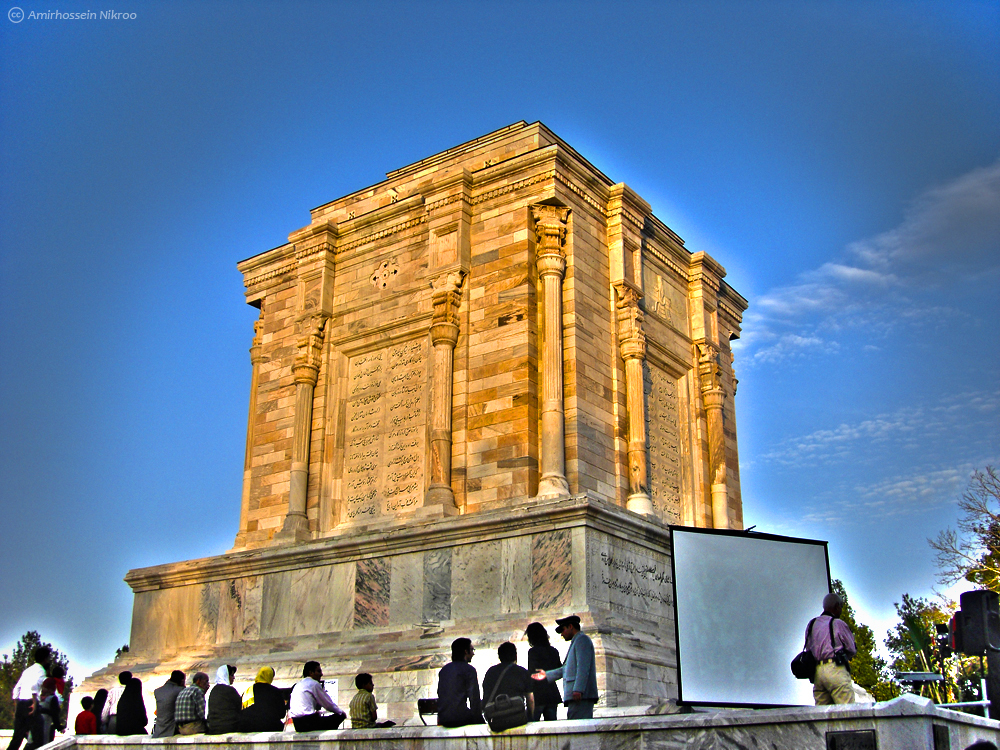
317,723
25,722
580,709
546,711
460,716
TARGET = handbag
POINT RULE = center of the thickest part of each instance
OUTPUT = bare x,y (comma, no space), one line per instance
504,711
804,664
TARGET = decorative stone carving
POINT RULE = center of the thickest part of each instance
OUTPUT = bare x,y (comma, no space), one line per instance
663,437
714,399
550,236
305,372
447,297
384,274
256,357
385,431
632,345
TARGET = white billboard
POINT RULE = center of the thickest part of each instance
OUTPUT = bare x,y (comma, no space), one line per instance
742,602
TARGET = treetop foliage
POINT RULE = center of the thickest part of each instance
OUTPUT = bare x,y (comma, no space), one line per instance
973,552
22,657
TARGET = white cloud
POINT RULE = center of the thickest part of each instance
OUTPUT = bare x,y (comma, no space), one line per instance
953,414
954,227
950,232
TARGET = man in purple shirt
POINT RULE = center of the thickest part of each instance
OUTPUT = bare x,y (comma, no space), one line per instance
831,642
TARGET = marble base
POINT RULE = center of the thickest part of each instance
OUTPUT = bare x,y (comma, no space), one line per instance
907,723
389,601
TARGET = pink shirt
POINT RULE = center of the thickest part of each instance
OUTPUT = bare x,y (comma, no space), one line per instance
819,639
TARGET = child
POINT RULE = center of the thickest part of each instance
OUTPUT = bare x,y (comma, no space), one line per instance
86,721
363,709
48,707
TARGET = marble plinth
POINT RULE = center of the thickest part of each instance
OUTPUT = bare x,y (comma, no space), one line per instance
389,601
907,723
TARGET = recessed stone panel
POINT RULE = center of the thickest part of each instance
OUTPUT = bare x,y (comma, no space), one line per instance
629,579
475,580
386,421
406,589
663,435
551,570
371,592
310,600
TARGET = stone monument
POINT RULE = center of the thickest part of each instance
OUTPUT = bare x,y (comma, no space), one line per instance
480,392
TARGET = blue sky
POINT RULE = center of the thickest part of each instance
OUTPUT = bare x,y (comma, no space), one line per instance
840,159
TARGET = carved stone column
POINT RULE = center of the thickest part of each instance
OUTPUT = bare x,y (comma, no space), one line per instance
444,335
714,399
550,235
632,344
305,372
255,360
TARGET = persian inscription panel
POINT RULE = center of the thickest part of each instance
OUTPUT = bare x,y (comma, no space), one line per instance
386,430
663,434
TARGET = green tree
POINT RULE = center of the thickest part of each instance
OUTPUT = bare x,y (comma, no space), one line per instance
912,644
20,659
973,552
868,669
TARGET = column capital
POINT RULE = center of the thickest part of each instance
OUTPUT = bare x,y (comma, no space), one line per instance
550,238
446,298
708,367
305,369
255,347
631,336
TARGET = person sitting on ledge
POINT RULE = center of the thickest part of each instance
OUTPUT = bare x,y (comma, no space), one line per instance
308,697
165,696
459,703
264,705
189,710
86,721
514,679
224,702
363,708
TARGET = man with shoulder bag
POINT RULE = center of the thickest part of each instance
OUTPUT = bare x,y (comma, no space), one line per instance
830,641
507,687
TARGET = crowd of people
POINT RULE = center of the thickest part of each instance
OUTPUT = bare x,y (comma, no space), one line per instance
461,703
218,708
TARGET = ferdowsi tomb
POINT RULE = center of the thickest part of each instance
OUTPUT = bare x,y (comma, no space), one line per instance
480,392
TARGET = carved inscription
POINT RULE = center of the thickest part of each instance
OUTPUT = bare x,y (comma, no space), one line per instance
663,435
386,425
641,581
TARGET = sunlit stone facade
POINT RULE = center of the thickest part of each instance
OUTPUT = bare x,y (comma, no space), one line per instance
480,390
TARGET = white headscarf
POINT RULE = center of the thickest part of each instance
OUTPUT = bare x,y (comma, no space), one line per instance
222,675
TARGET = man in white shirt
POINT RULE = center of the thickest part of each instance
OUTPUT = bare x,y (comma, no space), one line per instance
25,695
308,696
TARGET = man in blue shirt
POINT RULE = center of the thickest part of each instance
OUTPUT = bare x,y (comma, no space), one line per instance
578,672
459,702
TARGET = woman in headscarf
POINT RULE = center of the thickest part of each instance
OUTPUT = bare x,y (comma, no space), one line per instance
100,698
543,655
131,710
264,705
224,702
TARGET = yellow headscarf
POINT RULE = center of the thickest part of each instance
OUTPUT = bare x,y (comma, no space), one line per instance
265,675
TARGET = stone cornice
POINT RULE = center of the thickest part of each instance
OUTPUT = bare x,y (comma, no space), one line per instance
362,543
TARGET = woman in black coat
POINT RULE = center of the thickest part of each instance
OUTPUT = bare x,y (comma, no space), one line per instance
266,713
224,703
543,655
131,710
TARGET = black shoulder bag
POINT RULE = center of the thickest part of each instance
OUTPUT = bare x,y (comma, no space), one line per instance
504,711
804,664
